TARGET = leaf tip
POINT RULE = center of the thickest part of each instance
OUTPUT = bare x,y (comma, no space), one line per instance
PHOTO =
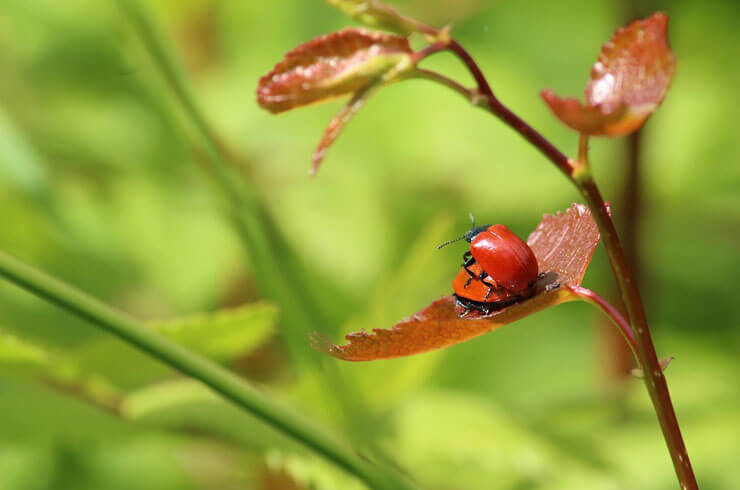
330,66
316,159
320,342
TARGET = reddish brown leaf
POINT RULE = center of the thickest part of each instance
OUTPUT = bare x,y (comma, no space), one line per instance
433,328
584,118
331,66
563,244
628,81
342,118
377,14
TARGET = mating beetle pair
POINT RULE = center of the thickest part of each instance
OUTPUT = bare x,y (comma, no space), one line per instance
498,270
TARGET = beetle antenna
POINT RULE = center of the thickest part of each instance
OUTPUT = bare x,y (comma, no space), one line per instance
468,235
452,241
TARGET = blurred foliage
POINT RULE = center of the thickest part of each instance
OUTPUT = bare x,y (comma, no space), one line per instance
102,184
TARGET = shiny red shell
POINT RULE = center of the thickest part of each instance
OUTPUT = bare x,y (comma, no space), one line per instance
508,261
506,258
476,290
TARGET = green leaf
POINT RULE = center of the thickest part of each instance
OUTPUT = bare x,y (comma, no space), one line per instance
20,164
225,334
222,336
16,351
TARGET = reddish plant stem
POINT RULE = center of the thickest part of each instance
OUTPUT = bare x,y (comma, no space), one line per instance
654,379
611,312
579,174
475,70
433,48
508,117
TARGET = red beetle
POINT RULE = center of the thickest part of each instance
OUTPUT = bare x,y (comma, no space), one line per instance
498,270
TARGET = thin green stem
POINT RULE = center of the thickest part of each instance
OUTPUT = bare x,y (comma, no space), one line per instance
209,373
280,275
240,193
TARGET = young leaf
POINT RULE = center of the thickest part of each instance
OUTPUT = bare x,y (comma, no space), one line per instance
563,245
342,118
377,14
628,81
331,66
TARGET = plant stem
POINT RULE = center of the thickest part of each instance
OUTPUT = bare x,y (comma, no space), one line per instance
632,202
654,378
470,95
579,173
611,312
209,373
498,109
272,262
281,275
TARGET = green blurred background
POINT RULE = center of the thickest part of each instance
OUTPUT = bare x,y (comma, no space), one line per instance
103,183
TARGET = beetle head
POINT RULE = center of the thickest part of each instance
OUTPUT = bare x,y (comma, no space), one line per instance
469,235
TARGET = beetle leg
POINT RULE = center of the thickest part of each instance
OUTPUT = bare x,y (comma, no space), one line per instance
488,293
467,309
491,285
469,260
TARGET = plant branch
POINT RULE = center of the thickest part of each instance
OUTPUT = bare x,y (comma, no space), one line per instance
209,373
611,312
485,98
578,172
469,94
632,202
654,378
